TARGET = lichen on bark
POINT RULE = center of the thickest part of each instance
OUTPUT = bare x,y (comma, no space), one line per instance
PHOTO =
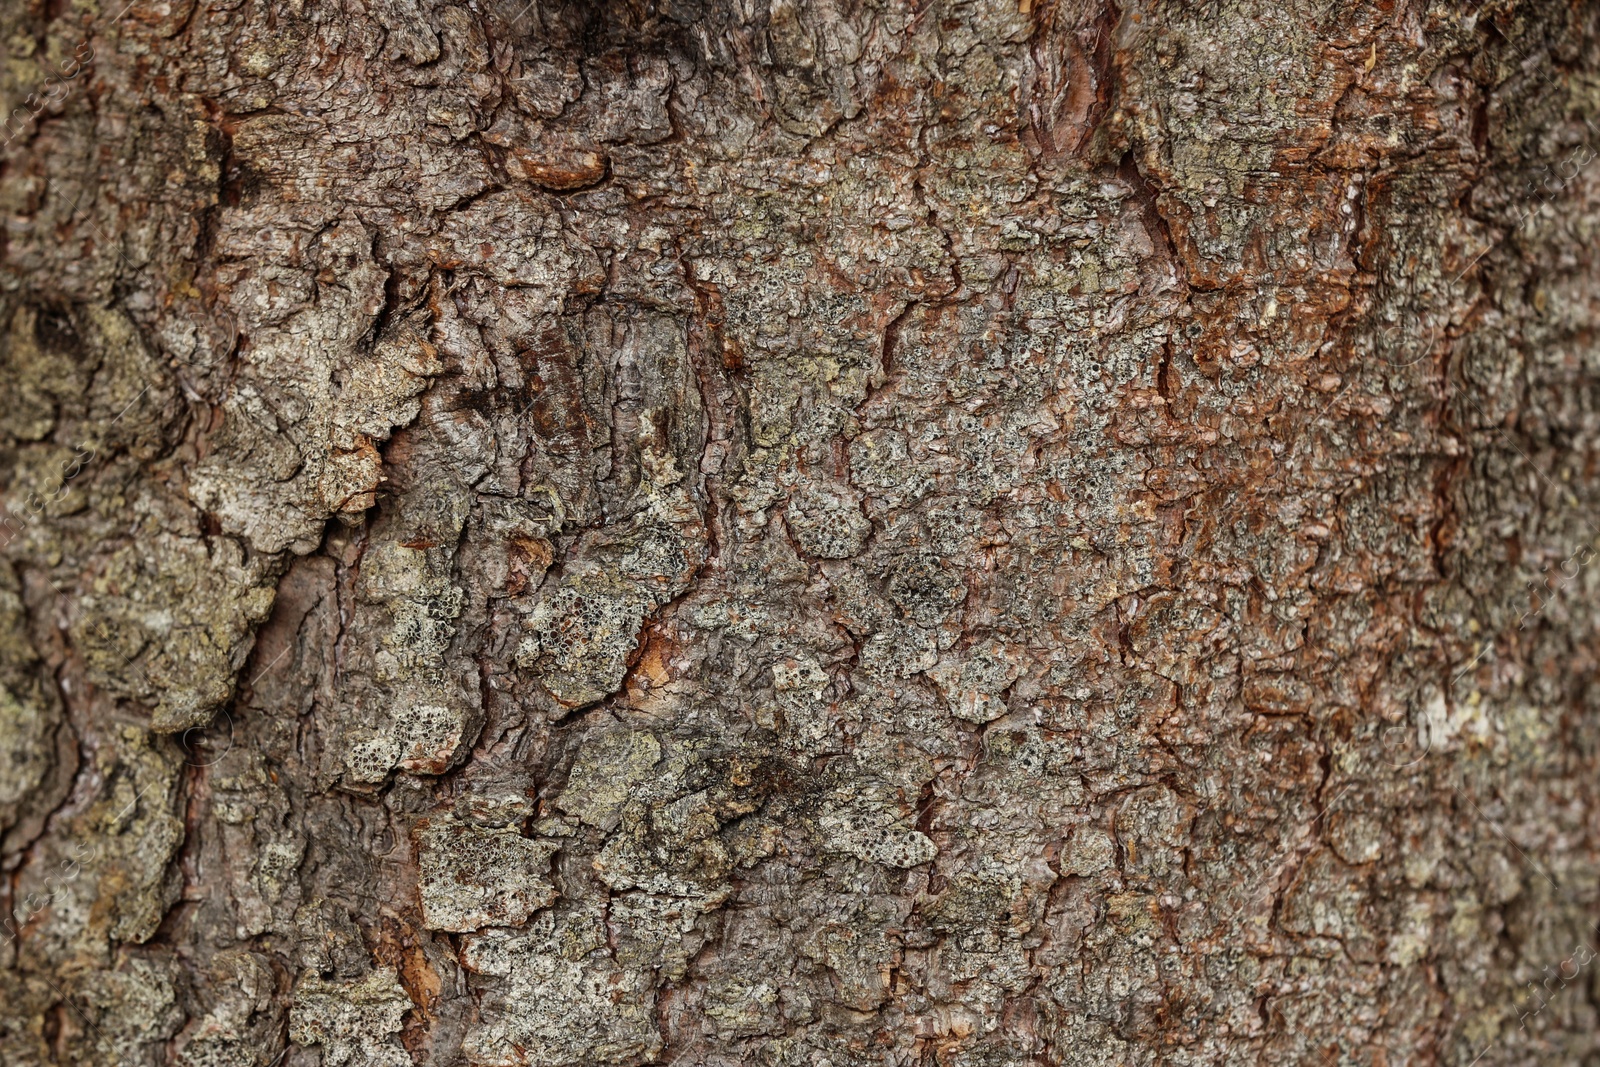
969,532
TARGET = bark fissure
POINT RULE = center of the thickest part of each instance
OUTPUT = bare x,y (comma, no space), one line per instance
802,532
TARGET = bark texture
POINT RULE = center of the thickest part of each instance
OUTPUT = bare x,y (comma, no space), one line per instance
799,532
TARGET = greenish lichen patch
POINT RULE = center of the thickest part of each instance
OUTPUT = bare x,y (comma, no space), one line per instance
36,750
169,621
133,1010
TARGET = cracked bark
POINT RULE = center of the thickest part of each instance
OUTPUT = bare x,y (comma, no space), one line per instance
701,532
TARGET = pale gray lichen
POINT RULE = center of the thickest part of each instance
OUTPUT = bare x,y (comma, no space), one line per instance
912,476
27,722
972,682
1088,851
35,746
670,847
827,523
607,773
241,1026
881,463
899,649
867,818
926,588
420,714
471,877
263,849
299,435
352,1021
563,998
108,878
579,636
134,1009
168,620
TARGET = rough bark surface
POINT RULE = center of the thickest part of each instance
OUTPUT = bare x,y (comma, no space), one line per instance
799,532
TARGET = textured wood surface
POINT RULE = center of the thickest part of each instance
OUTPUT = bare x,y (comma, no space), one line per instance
799,532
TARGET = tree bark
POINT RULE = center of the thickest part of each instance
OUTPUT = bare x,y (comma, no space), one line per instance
897,532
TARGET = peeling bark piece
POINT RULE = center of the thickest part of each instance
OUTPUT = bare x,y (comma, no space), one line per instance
572,170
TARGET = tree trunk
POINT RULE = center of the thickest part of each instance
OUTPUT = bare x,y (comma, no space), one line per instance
800,532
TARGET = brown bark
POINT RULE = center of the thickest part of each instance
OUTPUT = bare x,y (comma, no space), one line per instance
713,532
